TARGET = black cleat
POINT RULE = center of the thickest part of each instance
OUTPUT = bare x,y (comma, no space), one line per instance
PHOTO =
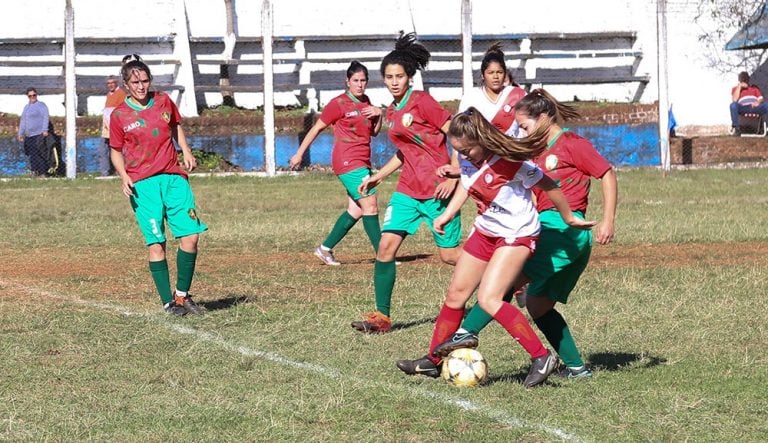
189,305
421,366
457,341
173,309
571,373
540,369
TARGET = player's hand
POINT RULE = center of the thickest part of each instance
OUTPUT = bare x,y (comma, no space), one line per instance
576,222
448,171
190,162
127,186
371,112
439,223
604,232
445,189
368,184
295,161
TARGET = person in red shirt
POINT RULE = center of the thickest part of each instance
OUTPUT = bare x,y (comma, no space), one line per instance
115,96
142,130
562,252
417,126
354,122
746,98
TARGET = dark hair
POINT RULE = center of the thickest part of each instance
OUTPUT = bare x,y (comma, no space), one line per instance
134,66
539,102
131,57
356,67
409,53
744,77
493,54
471,125
31,89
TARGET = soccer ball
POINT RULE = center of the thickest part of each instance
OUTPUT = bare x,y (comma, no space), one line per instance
465,367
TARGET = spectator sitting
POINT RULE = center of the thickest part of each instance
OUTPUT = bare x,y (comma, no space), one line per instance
747,99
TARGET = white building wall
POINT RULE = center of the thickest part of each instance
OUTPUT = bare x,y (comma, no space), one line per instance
699,94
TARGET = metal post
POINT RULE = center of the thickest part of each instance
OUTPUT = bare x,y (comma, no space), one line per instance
269,99
70,90
661,30
466,45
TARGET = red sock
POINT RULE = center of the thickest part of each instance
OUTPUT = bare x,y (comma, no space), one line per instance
517,325
448,322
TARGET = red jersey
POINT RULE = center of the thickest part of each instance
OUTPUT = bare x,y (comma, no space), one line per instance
570,161
144,137
414,128
749,95
351,132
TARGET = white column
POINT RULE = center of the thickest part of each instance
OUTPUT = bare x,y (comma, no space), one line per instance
661,32
187,102
466,45
269,99
70,90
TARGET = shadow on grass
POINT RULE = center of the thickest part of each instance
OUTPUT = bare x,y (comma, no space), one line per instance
601,361
226,303
400,258
410,324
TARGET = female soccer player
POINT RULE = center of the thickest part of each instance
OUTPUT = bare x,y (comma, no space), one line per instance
417,126
562,253
141,134
503,237
355,121
495,100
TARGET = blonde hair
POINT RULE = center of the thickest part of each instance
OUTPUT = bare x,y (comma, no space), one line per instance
471,125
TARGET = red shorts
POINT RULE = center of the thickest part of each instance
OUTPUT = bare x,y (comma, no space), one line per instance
482,246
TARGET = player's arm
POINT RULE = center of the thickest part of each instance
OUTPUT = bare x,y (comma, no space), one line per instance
374,114
446,188
189,159
458,199
605,230
371,182
554,193
119,164
316,129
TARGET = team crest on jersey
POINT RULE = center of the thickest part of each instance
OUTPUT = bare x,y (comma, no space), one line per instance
550,162
488,179
192,214
507,108
407,119
166,116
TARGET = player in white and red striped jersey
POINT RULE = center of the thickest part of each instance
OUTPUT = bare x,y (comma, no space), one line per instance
503,237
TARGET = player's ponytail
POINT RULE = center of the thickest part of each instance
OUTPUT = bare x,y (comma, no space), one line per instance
409,53
472,126
539,102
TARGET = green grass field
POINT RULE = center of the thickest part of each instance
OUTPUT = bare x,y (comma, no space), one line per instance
671,317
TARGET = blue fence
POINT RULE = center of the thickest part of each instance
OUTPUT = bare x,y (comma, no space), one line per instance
622,145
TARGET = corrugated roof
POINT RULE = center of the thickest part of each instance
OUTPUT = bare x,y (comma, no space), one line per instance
754,34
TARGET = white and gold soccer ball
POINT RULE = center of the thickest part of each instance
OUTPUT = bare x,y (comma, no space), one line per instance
465,367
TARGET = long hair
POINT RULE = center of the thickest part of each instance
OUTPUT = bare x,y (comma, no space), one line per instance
133,64
355,67
471,125
539,102
493,54
409,53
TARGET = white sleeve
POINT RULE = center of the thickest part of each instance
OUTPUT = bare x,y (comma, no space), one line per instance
529,174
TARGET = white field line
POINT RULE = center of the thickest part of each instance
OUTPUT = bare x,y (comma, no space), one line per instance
494,414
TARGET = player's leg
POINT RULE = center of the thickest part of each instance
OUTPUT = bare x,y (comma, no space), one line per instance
370,207
448,242
186,226
499,276
466,277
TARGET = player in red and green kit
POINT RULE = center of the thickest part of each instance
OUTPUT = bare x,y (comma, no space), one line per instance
562,253
417,127
354,121
141,134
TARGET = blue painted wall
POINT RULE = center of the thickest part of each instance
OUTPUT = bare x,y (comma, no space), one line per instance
622,145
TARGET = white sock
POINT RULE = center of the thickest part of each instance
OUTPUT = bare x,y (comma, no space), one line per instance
461,331
181,293
325,248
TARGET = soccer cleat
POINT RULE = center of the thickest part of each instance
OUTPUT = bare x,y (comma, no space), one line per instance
326,256
173,309
540,369
373,323
571,373
457,341
189,305
421,366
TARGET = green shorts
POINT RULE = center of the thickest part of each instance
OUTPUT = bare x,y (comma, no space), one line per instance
405,214
353,179
562,254
165,197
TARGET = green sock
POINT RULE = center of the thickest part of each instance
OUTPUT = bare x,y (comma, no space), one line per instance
185,269
554,327
372,228
343,224
159,271
384,274
476,320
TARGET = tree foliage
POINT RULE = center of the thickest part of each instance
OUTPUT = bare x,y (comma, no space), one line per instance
719,21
